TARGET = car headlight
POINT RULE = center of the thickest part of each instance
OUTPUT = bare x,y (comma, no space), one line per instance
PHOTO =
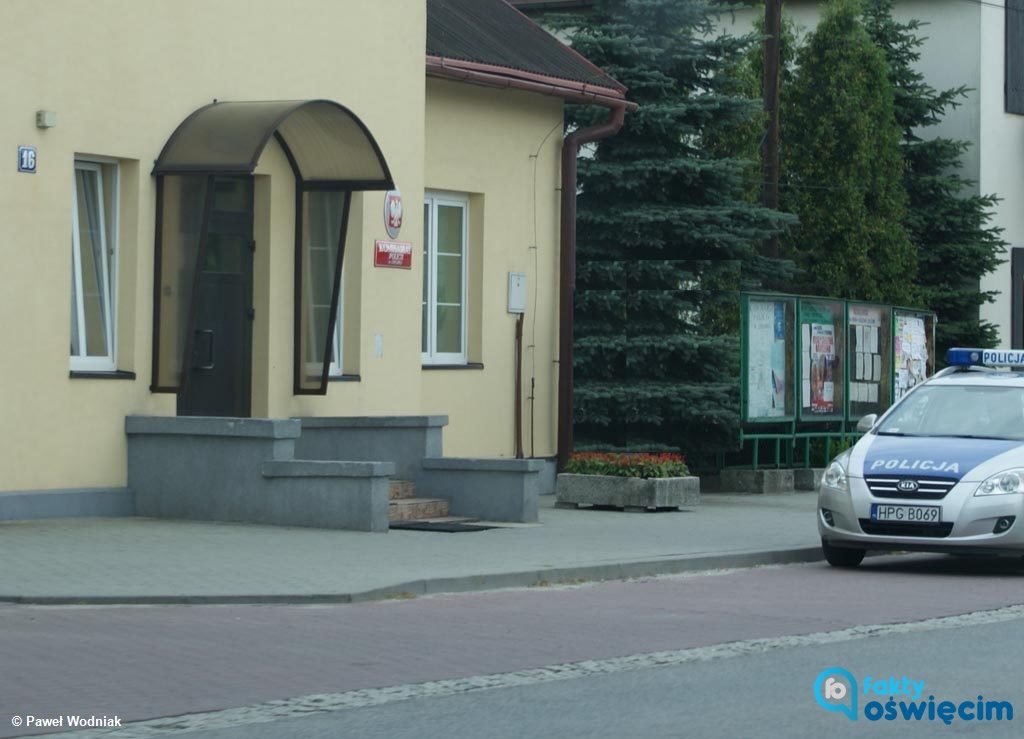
835,474
1003,483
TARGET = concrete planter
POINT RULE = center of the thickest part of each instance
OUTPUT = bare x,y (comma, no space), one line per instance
627,492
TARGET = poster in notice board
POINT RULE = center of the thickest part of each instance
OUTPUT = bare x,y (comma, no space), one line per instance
868,341
823,364
821,360
769,395
911,352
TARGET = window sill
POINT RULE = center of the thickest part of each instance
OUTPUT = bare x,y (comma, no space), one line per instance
466,366
92,375
344,378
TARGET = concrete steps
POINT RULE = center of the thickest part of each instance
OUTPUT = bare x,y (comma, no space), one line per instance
401,489
299,472
415,509
403,505
492,489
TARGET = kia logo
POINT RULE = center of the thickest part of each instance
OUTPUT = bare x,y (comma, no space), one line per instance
907,486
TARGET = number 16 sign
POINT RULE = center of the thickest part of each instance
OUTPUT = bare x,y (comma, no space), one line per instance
27,159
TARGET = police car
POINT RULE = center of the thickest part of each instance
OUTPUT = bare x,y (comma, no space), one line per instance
941,471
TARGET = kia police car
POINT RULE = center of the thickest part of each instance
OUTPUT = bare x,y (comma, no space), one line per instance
942,470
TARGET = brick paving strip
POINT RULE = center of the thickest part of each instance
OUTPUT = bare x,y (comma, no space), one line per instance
325,703
140,662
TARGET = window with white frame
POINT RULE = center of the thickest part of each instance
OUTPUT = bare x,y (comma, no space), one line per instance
324,230
445,230
94,265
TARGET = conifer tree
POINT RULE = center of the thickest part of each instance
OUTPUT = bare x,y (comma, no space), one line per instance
665,237
843,166
946,221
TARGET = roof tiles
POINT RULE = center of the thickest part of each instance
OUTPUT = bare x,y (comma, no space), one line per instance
494,33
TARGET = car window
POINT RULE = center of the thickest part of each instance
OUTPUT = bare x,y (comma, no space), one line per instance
959,410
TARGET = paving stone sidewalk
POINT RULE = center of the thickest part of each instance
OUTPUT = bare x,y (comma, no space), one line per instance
139,560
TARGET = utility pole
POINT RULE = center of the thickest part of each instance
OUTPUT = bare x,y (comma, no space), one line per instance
770,92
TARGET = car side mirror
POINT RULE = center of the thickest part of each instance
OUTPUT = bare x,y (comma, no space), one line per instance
866,423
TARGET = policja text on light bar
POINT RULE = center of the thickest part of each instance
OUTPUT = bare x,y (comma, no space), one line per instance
960,357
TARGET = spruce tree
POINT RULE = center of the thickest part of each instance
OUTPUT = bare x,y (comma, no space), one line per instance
947,223
843,166
664,236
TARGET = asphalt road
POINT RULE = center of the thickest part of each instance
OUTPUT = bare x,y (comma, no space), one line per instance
731,654
759,695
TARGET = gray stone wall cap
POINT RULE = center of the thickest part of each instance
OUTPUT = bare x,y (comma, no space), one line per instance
263,428
384,422
312,468
483,464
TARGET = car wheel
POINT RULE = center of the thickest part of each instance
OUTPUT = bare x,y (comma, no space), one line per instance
841,556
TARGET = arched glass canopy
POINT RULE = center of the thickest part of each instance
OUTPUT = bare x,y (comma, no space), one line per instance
332,154
325,143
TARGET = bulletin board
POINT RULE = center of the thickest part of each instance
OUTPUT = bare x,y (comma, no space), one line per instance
869,338
913,338
821,360
767,387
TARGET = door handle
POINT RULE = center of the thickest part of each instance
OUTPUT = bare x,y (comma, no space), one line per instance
209,349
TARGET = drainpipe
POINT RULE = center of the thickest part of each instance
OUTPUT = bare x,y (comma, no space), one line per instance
567,268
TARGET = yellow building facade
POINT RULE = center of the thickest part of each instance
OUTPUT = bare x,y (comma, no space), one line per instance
104,319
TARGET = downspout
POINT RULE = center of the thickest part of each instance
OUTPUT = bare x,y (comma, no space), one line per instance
567,269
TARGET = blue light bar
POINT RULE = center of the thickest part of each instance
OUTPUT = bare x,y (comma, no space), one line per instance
959,357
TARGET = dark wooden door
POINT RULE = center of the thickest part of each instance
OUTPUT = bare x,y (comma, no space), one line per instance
220,368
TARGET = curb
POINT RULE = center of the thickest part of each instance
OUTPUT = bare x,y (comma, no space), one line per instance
461,584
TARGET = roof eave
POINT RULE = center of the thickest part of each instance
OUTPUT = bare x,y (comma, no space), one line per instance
505,77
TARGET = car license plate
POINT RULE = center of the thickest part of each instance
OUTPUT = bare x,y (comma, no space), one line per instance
906,513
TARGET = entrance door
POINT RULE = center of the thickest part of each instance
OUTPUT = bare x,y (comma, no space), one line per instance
219,379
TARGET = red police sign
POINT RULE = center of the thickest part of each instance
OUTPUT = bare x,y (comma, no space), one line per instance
392,254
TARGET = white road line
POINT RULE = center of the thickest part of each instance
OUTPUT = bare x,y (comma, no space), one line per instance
326,703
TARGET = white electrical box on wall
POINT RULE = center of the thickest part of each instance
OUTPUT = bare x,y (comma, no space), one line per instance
517,292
